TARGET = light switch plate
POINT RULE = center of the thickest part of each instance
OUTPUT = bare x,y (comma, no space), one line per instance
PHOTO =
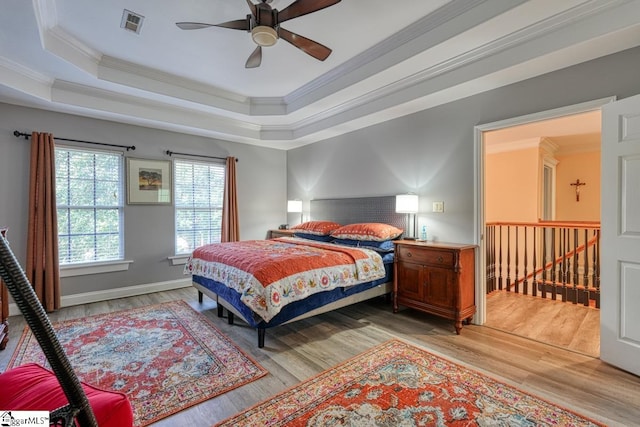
438,207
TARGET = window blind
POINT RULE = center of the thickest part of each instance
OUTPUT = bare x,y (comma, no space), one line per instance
89,205
198,193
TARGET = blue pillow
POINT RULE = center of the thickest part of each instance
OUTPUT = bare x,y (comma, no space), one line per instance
315,237
383,246
388,257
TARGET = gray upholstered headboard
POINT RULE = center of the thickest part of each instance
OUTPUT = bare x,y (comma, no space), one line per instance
359,209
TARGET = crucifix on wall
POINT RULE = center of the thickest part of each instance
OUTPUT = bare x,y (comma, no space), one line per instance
578,184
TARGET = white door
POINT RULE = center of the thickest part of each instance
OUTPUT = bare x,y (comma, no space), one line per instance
620,263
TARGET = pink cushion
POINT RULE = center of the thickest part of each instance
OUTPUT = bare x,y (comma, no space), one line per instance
32,387
318,228
373,231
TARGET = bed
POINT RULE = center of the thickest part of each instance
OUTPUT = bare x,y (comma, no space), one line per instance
260,281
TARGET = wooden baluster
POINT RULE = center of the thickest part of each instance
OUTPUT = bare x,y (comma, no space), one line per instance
563,263
544,262
525,284
508,258
517,265
489,259
569,262
553,264
500,255
585,276
569,259
493,257
566,277
534,284
596,268
576,274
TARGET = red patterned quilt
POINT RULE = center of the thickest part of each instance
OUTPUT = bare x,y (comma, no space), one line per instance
272,273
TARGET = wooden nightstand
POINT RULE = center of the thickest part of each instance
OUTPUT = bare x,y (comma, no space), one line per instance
436,278
280,233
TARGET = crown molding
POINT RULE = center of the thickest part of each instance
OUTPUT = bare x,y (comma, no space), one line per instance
149,110
34,76
576,144
411,40
24,79
46,14
523,144
144,78
549,147
60,43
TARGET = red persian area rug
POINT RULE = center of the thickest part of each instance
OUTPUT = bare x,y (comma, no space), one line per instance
165,357
397,384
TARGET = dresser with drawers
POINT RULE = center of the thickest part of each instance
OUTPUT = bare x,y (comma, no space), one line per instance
436,278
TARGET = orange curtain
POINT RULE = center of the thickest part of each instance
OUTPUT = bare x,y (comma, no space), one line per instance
42,239
230,223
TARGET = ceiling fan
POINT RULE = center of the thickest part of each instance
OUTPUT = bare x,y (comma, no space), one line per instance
264,25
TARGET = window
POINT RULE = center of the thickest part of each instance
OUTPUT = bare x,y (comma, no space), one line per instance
199,189
89,201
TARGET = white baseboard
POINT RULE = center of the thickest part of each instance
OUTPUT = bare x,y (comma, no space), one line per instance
107,294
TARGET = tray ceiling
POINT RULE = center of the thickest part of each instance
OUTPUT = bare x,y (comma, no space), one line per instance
388,59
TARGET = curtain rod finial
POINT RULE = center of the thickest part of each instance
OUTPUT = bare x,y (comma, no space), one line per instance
19,134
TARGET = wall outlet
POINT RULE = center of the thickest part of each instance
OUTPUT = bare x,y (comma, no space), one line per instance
438,207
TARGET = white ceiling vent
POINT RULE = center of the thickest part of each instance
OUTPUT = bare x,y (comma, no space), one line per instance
131,21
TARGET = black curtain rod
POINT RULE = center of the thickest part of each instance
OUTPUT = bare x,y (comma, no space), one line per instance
27,136
171,153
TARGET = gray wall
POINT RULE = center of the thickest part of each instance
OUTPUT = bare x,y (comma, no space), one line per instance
148,230
431,152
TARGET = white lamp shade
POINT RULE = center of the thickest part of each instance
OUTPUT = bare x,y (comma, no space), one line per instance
407,203
294,206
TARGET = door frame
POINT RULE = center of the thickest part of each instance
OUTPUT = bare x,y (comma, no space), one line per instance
479,182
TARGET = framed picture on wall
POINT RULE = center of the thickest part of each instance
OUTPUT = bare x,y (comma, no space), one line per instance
148,182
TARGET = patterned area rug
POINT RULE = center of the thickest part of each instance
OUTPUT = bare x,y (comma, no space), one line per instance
397,384
165,357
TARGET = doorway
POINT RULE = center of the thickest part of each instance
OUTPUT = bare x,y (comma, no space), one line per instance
547,133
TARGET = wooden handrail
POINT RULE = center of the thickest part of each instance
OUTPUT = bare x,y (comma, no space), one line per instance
562,224
569,254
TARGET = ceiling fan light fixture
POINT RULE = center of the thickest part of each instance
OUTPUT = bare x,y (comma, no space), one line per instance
264,36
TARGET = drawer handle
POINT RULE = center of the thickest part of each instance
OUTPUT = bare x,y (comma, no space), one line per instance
440,259
409,254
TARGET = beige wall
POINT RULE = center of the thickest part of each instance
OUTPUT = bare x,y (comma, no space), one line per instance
511,185
586,167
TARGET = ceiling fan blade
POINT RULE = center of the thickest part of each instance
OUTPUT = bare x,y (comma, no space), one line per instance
255,59
192,25
312,48
253,8
239,24
303,7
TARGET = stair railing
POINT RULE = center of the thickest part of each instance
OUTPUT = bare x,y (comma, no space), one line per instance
554,259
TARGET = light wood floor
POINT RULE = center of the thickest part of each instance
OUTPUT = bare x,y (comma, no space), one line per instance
303,349
571,326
